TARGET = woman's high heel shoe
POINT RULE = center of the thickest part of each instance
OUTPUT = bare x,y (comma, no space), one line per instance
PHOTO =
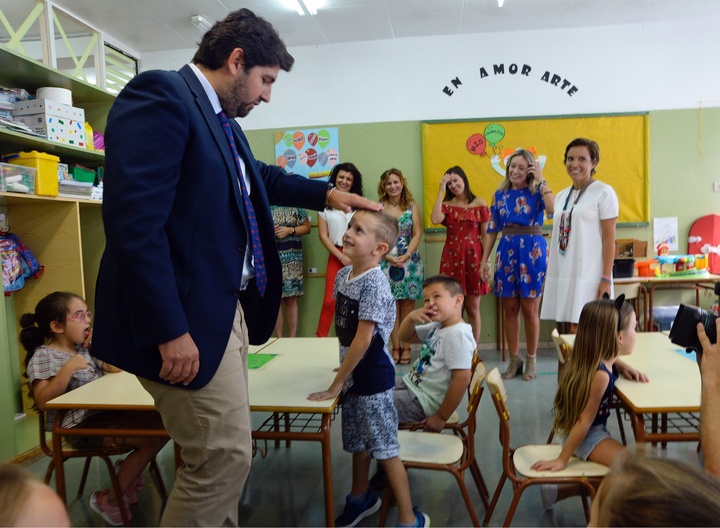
530,369
515,367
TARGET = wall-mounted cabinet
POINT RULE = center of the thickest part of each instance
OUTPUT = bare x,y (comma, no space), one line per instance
65,235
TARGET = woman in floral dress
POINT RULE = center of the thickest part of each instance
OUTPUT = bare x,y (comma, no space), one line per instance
402,264
290,224
465,216
517,210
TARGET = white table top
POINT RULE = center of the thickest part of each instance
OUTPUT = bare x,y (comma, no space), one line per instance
674,384
302,366
659,280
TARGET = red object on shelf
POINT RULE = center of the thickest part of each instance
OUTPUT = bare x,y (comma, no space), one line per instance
707,229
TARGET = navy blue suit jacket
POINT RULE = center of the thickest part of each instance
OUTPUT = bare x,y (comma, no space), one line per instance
175,228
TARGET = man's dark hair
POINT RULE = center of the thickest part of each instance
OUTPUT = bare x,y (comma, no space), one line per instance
261,44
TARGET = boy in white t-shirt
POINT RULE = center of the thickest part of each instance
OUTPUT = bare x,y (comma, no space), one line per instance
437,382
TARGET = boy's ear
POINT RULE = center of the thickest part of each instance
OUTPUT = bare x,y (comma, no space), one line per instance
382,248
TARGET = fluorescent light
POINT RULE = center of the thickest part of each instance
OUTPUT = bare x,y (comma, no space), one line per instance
200,22
500,3
307,5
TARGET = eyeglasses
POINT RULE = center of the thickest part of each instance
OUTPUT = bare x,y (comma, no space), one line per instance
81,316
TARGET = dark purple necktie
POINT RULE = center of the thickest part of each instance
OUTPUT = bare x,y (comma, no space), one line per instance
258,259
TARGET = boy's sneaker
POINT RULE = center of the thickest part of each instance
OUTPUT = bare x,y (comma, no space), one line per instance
110,514
421,519
548,495
354,512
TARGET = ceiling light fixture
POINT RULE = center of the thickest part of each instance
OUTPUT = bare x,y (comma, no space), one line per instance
500,3
200,22
305,6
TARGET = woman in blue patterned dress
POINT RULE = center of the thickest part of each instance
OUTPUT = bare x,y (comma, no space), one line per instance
402,264
290,224
517,210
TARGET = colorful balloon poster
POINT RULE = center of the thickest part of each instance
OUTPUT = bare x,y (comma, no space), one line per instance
309,152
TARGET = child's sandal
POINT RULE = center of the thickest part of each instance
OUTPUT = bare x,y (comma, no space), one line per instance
396,354
405,357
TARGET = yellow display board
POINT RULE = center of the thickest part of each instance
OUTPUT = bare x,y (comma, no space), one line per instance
480,148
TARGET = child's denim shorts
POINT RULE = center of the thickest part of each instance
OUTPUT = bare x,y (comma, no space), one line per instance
595,435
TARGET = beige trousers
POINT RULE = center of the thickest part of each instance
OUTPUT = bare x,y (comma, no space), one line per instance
213,427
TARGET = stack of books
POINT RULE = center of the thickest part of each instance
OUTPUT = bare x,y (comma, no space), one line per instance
75,189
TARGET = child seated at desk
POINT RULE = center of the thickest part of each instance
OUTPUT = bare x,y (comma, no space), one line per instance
364,318
57,339
606,331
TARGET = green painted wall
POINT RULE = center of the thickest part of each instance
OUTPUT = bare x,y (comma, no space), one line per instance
684,158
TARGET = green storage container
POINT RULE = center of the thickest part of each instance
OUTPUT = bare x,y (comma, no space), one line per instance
83,174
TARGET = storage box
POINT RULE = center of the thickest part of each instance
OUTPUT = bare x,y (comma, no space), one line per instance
54,128
83,174
26,174
46,179
623,268
629,248
44,106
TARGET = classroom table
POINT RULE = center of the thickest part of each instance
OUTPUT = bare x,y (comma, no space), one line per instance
650,284
280,387
672,394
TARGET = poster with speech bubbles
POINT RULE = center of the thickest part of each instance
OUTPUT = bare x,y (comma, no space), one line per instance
311,152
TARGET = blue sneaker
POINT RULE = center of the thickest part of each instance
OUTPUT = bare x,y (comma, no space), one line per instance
421,519
354,512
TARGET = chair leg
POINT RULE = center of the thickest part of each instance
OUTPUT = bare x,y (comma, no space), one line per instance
385,506
83,479
618,411
480,483
466,498
155,471
496,496
116,490
51,468
517,493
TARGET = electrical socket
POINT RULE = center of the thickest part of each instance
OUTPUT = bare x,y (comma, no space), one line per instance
716,186
312,271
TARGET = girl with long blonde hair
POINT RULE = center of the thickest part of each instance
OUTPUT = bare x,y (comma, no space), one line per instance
606,331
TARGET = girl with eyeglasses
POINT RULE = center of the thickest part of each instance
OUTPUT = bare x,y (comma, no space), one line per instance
57,340
606,331
582,247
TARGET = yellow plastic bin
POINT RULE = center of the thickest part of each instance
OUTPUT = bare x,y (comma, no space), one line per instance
46,177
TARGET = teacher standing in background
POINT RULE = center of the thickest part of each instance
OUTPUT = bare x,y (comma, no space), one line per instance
466,217
582,247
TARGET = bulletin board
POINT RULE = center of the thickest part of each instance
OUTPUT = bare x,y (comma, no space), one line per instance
481,147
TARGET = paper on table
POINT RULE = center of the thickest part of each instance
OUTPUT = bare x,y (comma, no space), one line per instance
256,361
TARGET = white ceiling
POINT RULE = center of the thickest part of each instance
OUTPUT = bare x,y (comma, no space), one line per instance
157,25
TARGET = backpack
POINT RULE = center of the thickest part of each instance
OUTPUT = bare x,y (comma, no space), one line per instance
18,263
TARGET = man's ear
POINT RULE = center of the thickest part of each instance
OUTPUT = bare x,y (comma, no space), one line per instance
236,60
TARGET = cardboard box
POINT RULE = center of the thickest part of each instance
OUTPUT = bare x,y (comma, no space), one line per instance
45,106
629,248
54,128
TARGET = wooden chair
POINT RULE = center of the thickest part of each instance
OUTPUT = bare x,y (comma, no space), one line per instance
562,349
516,462
103,453
452,451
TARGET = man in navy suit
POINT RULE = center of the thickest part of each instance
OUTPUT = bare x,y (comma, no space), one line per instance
180,287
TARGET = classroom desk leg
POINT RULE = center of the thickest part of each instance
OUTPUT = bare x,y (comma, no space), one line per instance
327,470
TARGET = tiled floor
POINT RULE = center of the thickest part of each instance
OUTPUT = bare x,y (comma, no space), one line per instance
285,488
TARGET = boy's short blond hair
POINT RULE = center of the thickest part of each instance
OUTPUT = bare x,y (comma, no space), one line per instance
386,227
449,283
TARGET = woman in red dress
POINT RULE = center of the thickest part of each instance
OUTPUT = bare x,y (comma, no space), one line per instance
466,217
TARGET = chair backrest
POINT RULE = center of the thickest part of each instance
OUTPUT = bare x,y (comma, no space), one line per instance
631,291
44,445
495,383
475,388
561,347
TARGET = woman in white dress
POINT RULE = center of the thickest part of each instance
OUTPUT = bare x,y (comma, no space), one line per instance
582,246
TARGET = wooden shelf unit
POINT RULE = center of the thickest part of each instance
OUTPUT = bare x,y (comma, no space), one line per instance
65,235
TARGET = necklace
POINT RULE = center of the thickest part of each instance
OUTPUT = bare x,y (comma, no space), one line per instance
566,217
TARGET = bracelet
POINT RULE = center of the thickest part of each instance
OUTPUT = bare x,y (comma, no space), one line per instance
293,232
605,279
341,257
546,192
327,196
